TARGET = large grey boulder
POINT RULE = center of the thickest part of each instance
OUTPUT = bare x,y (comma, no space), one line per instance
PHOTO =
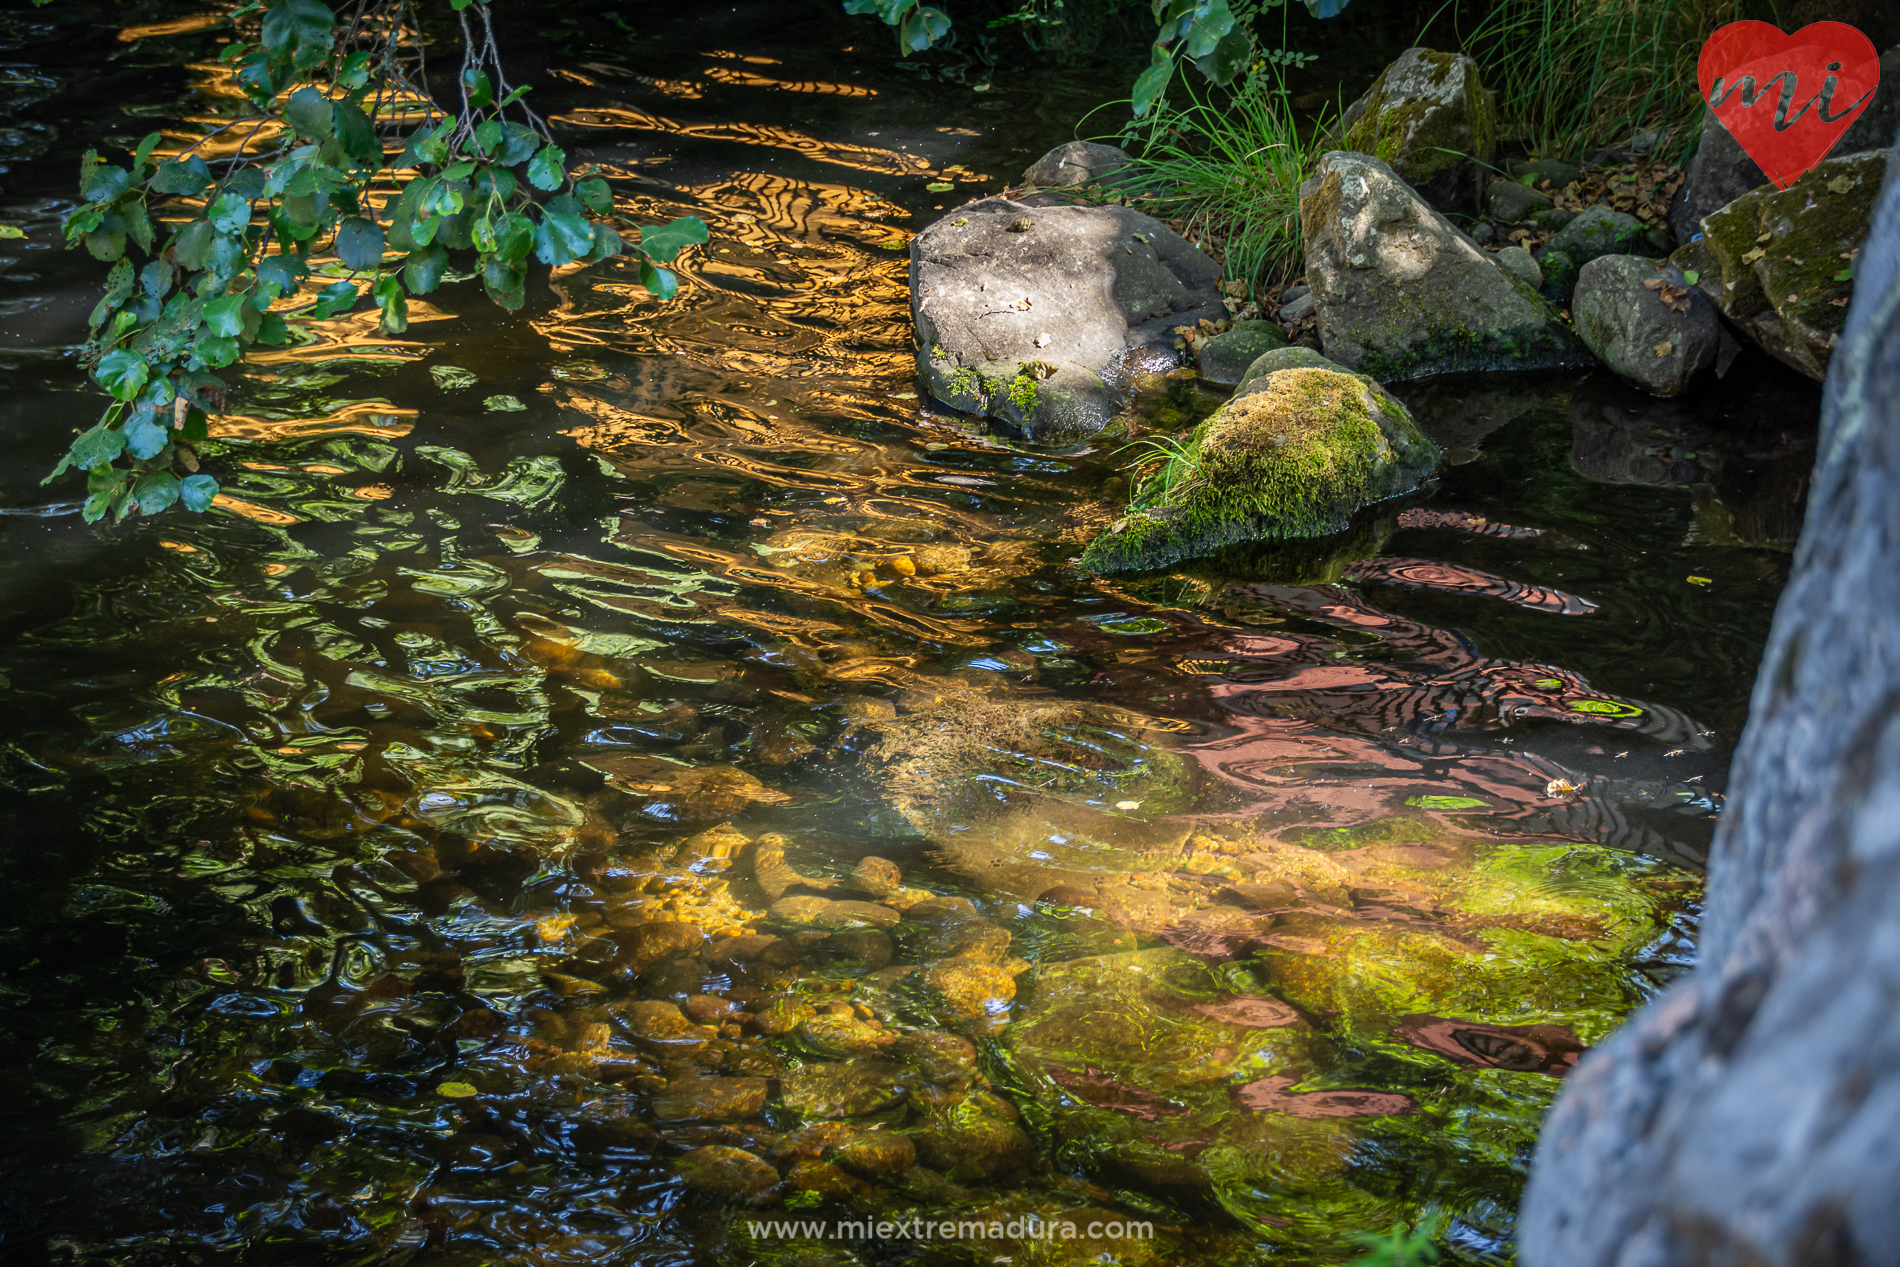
1653,330
1774,260
1403,294
1433,120
1037,316
1749,1115
1721,171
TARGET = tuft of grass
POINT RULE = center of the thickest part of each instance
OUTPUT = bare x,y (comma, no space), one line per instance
1574,76
1164,465
1228,169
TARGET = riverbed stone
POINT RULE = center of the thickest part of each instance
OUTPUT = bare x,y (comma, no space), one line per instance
1404,294
1597,231
1222,359
845,1088
1650,327
722,1171
971,993
1746,1115
1430,116
1772,260
966,1146
1512,201
1296,455
875,1155
710,1099
822,912
1039,316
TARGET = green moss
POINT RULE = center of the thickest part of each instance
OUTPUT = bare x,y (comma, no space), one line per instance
1021,392
967,382
1422,138
1294,458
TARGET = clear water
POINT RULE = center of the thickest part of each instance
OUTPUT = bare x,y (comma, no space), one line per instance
329,816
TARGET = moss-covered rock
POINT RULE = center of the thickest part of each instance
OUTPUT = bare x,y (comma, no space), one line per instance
1598,231
1295,357
1776,261
1403,294
1296,455
1222,359
1432,119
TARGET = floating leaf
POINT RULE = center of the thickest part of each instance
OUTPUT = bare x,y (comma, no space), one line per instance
504,405
1604,708
1700,580
9,231
1447,802
456,1090
940,187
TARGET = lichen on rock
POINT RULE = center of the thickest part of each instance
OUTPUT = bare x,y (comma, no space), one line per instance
1429,115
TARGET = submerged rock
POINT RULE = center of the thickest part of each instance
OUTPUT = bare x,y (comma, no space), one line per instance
1036,315
1294,455
1432,119
1776,261
732,1173
1403,294
848,1089
713,1099
1653,330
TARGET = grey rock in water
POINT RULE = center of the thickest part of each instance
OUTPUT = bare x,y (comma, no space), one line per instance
1597,231
1402,294
1432,114
1037,316
1775,261
1520,264
1656,337
1223,358
1748,1116
1081,163
1510,201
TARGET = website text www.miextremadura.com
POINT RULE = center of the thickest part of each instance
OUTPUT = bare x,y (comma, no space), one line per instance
1030,1228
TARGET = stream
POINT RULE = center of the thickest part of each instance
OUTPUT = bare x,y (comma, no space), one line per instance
623,732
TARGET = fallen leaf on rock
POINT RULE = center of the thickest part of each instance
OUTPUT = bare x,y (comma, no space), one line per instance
1841,184
1793,298
1838,303
1664,349
1700,580
940,187
1751,256
455,1090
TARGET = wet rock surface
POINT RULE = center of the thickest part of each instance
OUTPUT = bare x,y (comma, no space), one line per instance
1403,294
1036,316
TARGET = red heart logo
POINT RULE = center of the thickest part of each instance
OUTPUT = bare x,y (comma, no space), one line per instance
1788,98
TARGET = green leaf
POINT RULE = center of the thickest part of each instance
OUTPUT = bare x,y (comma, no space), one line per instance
99,182
96,447
138,225
480,92
395,306
334,299
286,272
1207,29
940,187
1228,58
1151,83
146,436
299,29
143,154
11,231
156,278
504,405
357,135
422,271
359,243
1691,276
521,144
596,196
562,238
310,112
197,492
662,242
505,283
155,491
107,489
225,317
123,373
226,256
606,243
272,331
455,1090
489,134
107,242
921,29
660,283
546,170
218,352
229,212
119,283
514,237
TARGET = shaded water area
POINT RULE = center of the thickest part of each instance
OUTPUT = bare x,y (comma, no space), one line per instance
414,859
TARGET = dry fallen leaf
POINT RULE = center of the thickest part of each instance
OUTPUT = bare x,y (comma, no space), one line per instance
1751,256
1652,283
1838,303
1664,349
1841,184
1793,298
